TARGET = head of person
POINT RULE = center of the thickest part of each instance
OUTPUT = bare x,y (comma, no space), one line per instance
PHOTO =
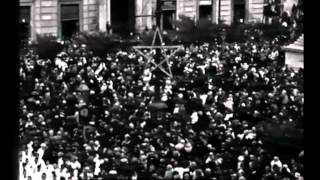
186,176
175,175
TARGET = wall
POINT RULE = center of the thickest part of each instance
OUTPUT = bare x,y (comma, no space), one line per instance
254,10
90,15
255,13
104,14
46,19
187,8
144,15
96,13
45,15
295,59
226,11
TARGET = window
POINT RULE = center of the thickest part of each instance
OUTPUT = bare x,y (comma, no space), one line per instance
122,16
239,11
24,22
69,20
205,12
168,18
167,9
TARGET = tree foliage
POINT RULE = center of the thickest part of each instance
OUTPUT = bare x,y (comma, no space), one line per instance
46,46
203,30
98,42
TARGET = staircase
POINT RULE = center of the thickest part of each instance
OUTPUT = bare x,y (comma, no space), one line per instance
298,45
294,53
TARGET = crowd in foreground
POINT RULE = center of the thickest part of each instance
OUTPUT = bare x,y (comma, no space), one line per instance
84,117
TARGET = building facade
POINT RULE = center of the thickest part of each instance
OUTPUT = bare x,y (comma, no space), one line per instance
63,17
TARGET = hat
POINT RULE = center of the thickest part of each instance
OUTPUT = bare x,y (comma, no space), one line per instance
130,94
134,160
124,160
188,147
60,154
240,158
113,172
82,103
179,146
127,135
182,141
43,145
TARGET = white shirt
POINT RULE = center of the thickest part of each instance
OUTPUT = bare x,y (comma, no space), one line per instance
75,165
181,170
277,163
194,117
98,162
204,98
228,116
60,162
40,152
176,110
229,104
61,64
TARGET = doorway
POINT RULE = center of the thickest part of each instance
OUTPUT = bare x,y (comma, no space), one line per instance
239,10
168,18
122,16
69,20
205,12
24,23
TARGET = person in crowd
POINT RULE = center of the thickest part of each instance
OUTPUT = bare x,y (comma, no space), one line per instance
87,117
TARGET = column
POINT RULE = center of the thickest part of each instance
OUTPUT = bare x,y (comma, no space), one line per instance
108,5
37,25
102,15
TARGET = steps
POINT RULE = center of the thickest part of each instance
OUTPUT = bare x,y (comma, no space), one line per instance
294,53
297,46
300,41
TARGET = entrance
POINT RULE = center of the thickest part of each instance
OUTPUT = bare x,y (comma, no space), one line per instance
239,11
205,12
69,20
122,16
24,22
168,18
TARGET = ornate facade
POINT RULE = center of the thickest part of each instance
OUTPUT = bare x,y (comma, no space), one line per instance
63,17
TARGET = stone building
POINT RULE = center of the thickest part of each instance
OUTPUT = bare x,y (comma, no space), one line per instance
64,17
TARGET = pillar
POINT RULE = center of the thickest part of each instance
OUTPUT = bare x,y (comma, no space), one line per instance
103,15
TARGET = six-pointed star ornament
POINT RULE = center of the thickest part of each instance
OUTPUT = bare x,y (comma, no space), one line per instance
162,48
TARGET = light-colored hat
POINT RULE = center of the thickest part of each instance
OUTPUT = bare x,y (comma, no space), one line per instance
113,172
124,160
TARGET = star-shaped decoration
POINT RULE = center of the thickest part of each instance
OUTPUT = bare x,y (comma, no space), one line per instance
162,48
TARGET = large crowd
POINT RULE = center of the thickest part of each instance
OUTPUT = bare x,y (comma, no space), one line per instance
86,117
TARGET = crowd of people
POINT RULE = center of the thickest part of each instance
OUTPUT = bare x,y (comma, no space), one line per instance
86,117
290,17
